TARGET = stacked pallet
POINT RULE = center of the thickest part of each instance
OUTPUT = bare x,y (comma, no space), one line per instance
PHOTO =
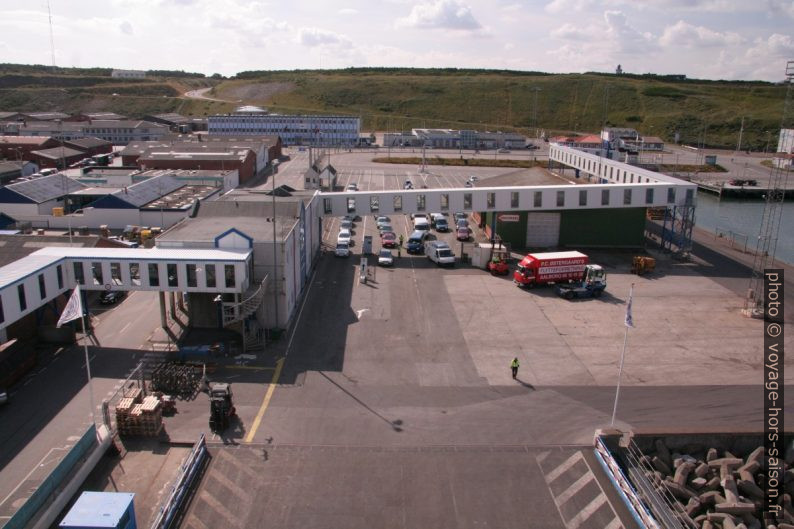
141,419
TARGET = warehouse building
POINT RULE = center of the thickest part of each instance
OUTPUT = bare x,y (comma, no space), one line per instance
245,220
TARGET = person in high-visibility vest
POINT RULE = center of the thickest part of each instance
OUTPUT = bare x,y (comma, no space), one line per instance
514,367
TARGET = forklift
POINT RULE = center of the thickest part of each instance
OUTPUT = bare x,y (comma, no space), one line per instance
221,407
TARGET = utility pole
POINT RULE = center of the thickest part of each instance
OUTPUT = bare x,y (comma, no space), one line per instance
741,131
535,111
275,254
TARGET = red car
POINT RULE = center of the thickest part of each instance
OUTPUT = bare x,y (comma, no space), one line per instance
463,234
388,239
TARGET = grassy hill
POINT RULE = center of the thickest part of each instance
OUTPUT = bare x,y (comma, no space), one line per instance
399,99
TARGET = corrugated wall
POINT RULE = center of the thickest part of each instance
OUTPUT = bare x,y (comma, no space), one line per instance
617,227
603,227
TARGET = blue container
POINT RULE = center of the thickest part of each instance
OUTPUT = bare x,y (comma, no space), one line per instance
111,510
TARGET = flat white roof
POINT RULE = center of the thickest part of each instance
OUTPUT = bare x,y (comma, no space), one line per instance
557,255
22,268
172,254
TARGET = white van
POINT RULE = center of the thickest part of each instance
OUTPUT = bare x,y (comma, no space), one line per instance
440,253
421,224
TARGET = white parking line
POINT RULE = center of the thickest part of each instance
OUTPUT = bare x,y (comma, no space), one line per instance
565,465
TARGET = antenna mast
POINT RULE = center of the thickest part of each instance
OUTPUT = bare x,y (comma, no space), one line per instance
52,41
770,222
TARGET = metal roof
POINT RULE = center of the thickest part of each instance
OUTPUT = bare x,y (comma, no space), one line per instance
149,190
57,153
88,142
15,246
24,140
46,188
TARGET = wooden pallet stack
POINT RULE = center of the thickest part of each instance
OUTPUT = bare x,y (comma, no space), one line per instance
139,417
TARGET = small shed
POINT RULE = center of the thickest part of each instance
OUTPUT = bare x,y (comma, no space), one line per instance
114,510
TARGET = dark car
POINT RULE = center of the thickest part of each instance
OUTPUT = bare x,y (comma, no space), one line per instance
462,234
442,224
109,298
416,242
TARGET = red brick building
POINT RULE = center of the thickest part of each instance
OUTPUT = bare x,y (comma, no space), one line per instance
12,147
56,157
90,146
243,160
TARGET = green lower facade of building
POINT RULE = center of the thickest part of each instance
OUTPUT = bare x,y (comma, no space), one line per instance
580,228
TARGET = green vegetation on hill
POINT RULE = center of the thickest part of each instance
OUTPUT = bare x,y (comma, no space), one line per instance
700,112
400,99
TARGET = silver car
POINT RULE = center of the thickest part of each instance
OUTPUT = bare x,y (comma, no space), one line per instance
385,258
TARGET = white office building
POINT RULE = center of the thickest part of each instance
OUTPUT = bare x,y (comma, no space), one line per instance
317,130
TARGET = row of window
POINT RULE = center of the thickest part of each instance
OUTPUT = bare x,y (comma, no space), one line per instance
285,130
154,272
515,200
134,271
600,169
22,296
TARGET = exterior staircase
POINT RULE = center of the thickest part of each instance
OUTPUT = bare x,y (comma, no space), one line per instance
252,298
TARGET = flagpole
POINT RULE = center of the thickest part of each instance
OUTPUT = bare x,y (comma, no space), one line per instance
73,311
620,374
629,323
88,371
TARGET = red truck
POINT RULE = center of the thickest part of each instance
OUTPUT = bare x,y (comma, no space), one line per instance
550,267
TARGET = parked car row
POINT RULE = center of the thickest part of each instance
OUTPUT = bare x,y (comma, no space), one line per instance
417,240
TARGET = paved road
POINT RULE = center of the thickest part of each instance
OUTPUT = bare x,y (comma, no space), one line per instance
50,408
397,393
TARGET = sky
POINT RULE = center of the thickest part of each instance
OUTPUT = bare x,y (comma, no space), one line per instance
706,39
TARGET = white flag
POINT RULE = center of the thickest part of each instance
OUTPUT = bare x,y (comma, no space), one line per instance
73,309
629,319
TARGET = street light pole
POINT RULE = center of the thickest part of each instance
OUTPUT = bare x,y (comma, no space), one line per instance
275,253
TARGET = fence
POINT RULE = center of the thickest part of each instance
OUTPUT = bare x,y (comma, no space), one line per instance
187,475
52,483
735,239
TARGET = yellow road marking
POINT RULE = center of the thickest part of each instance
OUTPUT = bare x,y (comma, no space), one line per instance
265,402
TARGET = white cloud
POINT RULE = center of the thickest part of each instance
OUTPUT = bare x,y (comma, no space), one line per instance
566,6
625,37
782,7
126,27
348,11
684,34
440,14
313,37
571,32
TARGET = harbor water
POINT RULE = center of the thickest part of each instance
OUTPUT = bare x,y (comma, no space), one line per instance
740,220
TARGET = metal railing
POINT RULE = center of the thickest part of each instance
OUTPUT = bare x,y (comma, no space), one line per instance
239,311
736,239
184,482
666,509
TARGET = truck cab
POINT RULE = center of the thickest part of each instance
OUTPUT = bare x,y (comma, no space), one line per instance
593,283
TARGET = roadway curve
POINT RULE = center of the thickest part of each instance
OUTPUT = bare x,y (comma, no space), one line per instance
199,94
